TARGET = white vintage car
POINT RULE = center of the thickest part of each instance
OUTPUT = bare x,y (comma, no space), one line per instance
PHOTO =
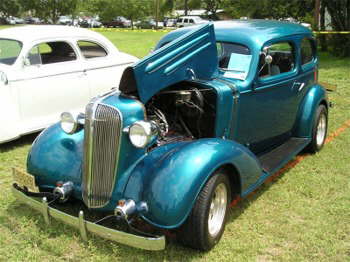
46,70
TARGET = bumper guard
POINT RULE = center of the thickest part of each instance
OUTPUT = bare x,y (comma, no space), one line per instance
147,243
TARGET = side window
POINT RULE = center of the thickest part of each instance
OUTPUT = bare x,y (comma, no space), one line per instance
234,59
49,53
91,49
307,54
186,20
9,51
191,21
283,60
33,57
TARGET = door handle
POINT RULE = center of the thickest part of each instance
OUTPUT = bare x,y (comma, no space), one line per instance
83,73
298,85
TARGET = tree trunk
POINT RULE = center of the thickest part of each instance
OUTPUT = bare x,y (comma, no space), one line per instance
323,40
317,14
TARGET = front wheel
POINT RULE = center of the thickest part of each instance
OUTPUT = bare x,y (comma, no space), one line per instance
206,223
319,130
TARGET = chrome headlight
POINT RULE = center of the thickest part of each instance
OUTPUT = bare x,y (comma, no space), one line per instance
142,133
70,123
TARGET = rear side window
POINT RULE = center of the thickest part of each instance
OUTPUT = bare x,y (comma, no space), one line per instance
9,51
49,53
283,60
91,49
307,53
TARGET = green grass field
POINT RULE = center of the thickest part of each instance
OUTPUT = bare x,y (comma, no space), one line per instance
303,215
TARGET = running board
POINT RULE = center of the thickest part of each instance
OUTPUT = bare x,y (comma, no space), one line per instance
278,157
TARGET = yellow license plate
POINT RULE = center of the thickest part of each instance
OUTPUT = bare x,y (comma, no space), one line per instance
24,179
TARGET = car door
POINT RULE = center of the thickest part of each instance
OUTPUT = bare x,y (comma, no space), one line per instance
103,67
308,64
268,110
52,81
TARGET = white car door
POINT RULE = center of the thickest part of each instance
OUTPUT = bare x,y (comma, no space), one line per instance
104,67
53,81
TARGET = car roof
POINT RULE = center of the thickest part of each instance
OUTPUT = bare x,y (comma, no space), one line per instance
34,32
253,33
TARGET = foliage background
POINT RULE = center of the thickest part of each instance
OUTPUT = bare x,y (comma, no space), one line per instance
302,10
303,215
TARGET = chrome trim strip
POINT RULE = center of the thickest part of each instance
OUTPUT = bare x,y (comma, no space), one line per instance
72,72
39,77
102,67
147,243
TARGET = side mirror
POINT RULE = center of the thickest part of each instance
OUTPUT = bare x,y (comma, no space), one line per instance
266,50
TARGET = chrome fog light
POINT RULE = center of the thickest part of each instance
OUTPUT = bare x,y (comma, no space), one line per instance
63,190
142,133
125,208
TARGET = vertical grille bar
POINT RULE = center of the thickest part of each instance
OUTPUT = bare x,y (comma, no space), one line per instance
101,153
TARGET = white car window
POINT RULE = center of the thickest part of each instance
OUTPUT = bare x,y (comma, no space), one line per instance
191,21
9,51
50,52
91,49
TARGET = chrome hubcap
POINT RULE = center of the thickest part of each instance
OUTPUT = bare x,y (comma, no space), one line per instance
217,210
321,130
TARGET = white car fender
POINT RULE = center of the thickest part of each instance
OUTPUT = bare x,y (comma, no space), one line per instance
9,114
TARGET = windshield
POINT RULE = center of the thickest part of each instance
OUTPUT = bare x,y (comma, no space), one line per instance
234,59
9,51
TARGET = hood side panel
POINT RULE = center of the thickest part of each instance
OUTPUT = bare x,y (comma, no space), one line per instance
193,55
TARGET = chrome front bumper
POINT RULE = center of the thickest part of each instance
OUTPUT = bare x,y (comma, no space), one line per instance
84,226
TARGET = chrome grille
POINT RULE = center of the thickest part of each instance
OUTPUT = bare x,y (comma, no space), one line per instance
101,153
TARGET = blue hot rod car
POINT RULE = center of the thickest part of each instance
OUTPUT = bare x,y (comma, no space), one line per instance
207,117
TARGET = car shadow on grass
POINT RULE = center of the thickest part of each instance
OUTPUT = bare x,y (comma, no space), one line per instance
242,204
17,212
22,141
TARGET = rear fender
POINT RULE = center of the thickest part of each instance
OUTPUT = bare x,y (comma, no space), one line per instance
306,114
170,177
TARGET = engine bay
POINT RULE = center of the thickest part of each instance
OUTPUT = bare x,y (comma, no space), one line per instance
183,112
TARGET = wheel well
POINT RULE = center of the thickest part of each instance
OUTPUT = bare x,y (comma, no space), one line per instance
323,102
234,177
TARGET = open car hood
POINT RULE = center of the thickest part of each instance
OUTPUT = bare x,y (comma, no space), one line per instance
191,56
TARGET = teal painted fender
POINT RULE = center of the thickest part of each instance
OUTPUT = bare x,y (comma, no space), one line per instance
57,156
170,177
315,95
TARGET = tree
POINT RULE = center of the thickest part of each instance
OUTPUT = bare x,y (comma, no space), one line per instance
50,9
130,9
211,6
9,8
339,11
275,9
